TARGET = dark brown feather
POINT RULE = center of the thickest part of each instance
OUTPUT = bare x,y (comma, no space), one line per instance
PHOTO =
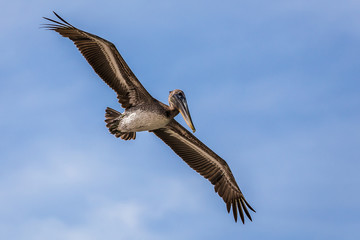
106,61
204,161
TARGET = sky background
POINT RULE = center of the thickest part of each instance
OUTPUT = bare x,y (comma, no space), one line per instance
273,87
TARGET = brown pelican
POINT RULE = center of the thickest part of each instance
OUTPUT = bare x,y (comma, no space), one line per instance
145,113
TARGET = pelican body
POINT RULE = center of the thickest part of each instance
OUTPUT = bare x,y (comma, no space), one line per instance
147,116
139,119
145,113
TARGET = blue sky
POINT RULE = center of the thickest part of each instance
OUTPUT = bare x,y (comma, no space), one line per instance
273,87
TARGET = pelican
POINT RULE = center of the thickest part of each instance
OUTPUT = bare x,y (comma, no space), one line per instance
145,113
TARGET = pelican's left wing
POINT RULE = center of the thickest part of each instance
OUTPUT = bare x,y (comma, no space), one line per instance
107,62
203,160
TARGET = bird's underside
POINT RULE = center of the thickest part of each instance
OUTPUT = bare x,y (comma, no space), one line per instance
144,113
135,119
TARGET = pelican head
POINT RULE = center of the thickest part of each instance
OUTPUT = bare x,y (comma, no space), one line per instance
177,100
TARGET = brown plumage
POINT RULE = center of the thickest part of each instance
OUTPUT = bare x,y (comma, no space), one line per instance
204,161
107,62
152,115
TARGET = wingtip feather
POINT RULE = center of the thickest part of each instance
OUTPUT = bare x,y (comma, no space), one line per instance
247,204
228,206
245,210
240,211
58,16
234,210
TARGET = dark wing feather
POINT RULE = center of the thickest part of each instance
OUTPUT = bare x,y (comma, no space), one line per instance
203,160
107,62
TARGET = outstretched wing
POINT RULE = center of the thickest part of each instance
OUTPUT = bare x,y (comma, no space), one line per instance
203,160
107,62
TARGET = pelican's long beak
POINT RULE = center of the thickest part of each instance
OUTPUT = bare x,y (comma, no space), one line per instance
184,110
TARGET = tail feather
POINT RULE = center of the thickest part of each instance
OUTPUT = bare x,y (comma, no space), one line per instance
111,114
112,119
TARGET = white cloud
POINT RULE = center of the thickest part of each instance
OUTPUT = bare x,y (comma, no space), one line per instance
64,177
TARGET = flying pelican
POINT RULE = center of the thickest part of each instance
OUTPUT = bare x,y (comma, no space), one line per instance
145,113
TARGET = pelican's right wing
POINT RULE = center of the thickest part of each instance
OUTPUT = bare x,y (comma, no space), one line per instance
203,160
107,62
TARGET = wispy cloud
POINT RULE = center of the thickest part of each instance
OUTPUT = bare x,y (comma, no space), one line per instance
272,87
